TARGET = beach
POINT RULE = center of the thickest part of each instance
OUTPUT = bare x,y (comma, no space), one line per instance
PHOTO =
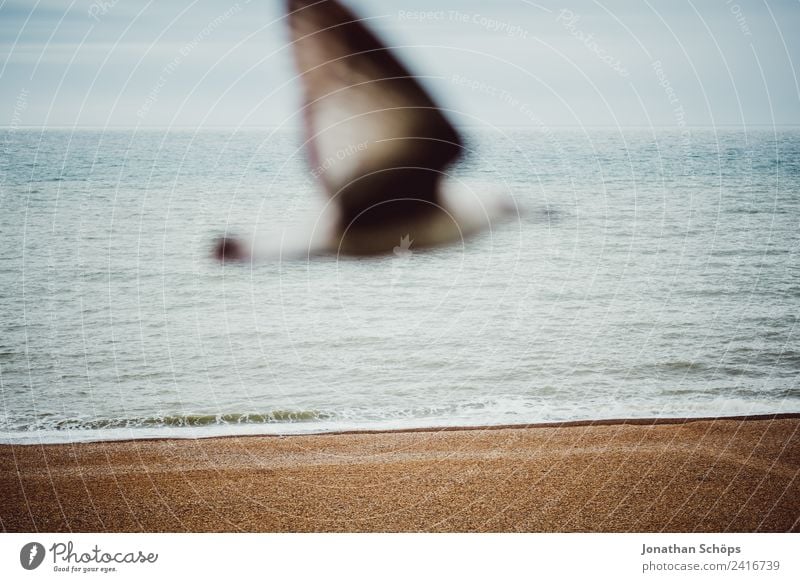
670,475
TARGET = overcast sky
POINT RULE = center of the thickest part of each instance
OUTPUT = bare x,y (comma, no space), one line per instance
508,62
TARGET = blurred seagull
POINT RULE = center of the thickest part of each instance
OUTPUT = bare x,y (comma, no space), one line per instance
377,143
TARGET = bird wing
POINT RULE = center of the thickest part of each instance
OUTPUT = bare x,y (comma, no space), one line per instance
374,134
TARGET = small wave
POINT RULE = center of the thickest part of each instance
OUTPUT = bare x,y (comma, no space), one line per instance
684,366
193,420
279,419
774,394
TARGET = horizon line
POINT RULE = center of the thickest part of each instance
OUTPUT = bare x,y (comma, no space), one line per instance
11,128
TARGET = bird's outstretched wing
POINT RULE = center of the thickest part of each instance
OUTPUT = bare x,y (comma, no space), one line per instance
374,134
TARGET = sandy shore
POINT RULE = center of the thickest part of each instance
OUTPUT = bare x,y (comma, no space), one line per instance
707,475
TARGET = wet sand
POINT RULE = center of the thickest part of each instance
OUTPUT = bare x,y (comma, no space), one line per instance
732,474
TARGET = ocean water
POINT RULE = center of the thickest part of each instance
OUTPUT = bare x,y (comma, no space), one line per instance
653,273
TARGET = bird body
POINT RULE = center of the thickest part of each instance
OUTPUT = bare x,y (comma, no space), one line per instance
376,142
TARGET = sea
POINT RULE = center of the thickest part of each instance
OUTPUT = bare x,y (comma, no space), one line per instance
652,272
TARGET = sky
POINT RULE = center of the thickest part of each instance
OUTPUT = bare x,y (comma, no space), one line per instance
673,63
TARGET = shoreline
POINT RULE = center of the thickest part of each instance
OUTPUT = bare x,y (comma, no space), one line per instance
635,421
695,474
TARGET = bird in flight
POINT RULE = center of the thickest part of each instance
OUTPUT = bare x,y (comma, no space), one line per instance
377,143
